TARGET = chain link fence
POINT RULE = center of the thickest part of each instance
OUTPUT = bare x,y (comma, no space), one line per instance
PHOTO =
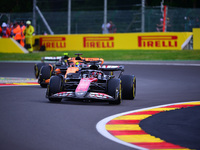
179,20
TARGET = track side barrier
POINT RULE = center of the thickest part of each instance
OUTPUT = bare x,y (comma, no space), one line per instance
196,38
116,41
9,45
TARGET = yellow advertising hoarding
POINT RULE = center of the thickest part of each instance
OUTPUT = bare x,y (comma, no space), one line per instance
196,38
9,45
117,41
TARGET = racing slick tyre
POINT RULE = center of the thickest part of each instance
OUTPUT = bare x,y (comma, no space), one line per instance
37,68
55,86
114,90
45,73
128,86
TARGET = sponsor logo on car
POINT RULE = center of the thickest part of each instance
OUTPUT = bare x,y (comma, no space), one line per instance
98,42
158,41
53,42
109,66
63,94
100,96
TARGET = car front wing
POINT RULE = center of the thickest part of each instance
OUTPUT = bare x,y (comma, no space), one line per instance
89,95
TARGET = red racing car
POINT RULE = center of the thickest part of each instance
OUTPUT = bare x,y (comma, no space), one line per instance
93,83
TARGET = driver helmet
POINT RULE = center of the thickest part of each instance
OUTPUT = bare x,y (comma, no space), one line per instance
94,74
77,64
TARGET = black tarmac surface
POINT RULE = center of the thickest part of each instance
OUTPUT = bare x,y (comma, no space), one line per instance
30,122
180,127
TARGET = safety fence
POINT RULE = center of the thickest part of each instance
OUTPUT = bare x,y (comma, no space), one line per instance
126,21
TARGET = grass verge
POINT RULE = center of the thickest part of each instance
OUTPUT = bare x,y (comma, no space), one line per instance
112,55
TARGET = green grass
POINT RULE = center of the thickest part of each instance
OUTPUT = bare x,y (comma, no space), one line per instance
112,55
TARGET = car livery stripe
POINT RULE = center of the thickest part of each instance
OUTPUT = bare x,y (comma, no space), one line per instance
63,94
102,96
124,128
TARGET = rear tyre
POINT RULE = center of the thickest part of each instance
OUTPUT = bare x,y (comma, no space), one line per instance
55,86
37,68
114,90
45,73
128,86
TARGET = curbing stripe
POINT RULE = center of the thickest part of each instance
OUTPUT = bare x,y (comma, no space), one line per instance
16,81
119,127
129,117
143,138
132,135
18,84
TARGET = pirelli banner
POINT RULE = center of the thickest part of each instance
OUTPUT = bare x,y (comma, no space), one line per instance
196,38
117,41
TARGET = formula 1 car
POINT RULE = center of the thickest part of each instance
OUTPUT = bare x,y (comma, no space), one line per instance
43,71
92,84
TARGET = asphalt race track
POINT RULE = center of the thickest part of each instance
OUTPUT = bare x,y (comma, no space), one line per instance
30,122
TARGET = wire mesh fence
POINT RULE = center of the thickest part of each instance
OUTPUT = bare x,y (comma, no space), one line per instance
179,19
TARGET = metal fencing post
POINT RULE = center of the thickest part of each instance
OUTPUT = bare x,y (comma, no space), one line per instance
105,15
143,16
34,16
69,16
44,20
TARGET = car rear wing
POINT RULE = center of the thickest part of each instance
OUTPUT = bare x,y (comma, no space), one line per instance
56,58
112,68
100,60
86,59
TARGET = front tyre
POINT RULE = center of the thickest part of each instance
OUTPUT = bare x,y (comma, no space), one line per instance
114,90
45,73
55,86
128,86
